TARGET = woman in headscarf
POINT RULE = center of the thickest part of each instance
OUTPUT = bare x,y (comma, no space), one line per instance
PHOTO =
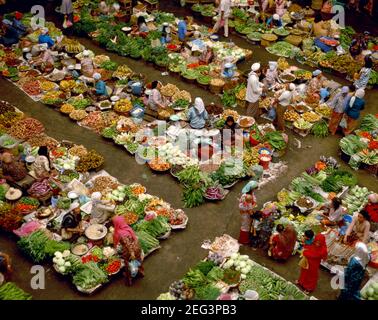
315,84
283,101
198,115
313,253
283,242
247,204
362,78
271,75
254,90
338,104
353,110
87,67
125,240
359,229
229,131
354,273
41,165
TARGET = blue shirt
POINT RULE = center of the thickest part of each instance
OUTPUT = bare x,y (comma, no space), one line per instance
101,88
197,120
21,29
44,38
277,24
182,29
354,110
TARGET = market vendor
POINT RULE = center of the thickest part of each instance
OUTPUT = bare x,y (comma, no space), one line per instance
271,75
100,87
362,78
182,27
87,67
315,84
155,100
5,265
283,101
45,60
12,168
247,205
224,12
141,27
45,38
229,132
254,90
41,166
165,34
10,35
353,110
71,72
372,207
197,114
101,209
73,225
359,44
338,104
333,212
320,28
282,242
18,25
115,8
280,7
359,229
104,8
206,56
126,242
274,21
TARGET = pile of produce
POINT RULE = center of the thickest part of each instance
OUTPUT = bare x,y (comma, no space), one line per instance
10,291
370,292
26,128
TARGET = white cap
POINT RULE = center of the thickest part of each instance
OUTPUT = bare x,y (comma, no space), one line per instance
86,53
228,65
71,67
292,86
276,17
165,24
255,67
96,76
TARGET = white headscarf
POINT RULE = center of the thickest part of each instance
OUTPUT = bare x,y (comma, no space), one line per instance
255,67
361,254
292,87
199,105
272,65
360,93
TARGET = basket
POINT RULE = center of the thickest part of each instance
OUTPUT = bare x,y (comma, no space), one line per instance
241,103
216,89
294,40
268,39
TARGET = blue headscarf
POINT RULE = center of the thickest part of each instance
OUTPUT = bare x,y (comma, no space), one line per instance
249,186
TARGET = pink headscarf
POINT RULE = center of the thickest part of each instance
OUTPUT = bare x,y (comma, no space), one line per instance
121,230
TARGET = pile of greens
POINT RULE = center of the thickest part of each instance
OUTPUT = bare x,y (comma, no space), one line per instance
89,276
369,123
320,129
337,180
275,139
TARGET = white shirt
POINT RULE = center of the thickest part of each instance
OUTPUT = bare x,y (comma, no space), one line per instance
285,98
254,88
225,6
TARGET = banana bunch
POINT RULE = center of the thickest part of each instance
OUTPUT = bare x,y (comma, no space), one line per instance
122,72
73,46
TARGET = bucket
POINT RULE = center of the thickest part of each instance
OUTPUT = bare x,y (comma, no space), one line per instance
265,161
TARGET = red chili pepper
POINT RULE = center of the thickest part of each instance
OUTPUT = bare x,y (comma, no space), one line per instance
373,145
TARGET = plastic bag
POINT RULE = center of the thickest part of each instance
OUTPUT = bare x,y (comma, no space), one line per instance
66,23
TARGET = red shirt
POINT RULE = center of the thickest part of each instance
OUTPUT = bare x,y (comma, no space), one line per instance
372,210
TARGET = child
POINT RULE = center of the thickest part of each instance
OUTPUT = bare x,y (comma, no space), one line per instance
255,228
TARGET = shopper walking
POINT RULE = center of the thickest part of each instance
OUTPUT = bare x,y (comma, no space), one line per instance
353,110
66,9
354,273
224,12
247,204
338,104
313,254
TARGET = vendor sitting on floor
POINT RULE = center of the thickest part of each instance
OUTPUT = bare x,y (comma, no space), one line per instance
206,56
73,225
229,132
182,27
100,87
12,169
198,115
333,212
359,229
45,38
141,28
165,34
155,100
17,24
45,61
282,242
71,72
274,21
372,207
87,67
10,35
41,165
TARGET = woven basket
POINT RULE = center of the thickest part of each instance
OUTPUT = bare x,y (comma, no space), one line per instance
216,89
268,39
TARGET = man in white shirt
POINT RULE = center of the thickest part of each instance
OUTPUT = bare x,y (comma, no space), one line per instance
224,11
254,90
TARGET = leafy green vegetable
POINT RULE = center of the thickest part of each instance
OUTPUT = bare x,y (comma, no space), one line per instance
320,129
205,266
275,139
194,279
10,291
337,180
89,276
208,292
369,123
215,274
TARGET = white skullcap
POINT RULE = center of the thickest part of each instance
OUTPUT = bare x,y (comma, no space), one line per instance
276,17
96,76
256,66
292,86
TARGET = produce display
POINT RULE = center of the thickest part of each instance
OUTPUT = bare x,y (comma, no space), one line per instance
10,291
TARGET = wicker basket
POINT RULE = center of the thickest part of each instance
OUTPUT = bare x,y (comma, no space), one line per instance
241,103
216,89
268,39
294,40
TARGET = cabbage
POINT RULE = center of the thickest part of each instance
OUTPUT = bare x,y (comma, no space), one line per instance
58,254
234,256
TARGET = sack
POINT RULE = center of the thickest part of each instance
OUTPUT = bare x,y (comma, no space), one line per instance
303,263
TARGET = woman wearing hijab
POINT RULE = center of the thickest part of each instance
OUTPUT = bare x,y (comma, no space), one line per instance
338,104
41,165
363,77
354,273
283,101
353,110
198,115
359,229
283,242
127,242
247,204
271,75
313,254
87,67
254,90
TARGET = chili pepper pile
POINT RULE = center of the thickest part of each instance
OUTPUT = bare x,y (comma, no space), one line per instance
26,128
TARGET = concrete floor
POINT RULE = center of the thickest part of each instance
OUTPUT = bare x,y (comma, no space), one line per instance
182,249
